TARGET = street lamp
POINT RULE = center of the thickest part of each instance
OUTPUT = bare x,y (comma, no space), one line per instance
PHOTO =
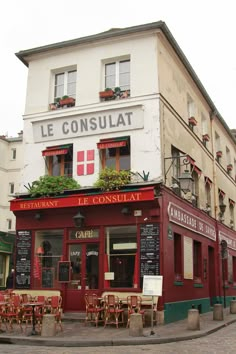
79,219
185,180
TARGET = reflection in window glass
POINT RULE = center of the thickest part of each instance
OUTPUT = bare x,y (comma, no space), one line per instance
48,252
120,255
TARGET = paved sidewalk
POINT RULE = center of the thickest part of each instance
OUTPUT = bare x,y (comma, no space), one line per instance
76,334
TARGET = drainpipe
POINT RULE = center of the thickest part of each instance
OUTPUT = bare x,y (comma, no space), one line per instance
215,215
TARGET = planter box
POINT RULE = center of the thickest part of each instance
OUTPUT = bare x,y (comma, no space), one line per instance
106,94
205,137
70,101
192,121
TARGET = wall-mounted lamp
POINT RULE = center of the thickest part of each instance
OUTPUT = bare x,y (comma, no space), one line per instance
185,180
79,219
126,210
38,216
222,208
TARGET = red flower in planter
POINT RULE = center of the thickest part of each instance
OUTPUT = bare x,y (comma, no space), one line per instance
229,167
219,153
205,137
192,121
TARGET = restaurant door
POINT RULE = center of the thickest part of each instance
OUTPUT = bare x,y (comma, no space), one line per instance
84,260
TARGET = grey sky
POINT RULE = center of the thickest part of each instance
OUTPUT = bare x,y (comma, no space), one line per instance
204,29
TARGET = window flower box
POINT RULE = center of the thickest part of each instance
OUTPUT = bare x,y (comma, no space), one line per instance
206,137
219,153
107,93
67,101
229,167
192,121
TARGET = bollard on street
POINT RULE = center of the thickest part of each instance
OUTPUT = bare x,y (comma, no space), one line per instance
218,314
193,320
136,325
233,306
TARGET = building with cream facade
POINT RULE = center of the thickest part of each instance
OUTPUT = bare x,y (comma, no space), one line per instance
158,122
10,176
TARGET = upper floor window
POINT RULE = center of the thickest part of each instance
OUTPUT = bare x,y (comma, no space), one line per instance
115,153
13,154
117,74
65,84
59,160
11,188
190,107
9,224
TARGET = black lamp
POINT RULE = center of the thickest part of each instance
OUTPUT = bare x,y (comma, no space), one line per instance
79,219
186,181
37,215
126,210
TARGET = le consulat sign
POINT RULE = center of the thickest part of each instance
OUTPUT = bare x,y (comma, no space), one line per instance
88,124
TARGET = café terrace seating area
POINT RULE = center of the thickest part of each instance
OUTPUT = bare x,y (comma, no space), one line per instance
113,309
26,311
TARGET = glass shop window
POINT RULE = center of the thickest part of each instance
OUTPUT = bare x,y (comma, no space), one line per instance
47,254
178,257
121,256
197,260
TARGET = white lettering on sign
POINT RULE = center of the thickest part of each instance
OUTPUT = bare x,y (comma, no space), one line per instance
87,124
190,221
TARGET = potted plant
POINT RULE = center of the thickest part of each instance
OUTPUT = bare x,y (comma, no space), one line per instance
67,101
107,93
192,121
219,153
229,167
110,179
205,137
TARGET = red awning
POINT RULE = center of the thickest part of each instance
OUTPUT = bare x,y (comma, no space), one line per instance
221,193
57,150
112,143
208,181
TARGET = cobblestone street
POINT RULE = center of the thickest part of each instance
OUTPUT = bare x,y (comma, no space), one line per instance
222,341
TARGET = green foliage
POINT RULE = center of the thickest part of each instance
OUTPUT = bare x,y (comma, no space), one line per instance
110,179
108,89
64,97
51,185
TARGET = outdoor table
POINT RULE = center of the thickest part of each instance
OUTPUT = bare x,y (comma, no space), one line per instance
33,305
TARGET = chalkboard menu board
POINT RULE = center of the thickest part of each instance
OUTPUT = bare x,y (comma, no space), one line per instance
23,259
149,250
47,277
64,271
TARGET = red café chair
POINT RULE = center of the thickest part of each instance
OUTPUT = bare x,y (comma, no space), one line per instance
134,304
12,312
94,311
56,309
114,314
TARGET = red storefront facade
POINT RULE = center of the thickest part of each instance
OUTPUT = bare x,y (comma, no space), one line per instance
126,234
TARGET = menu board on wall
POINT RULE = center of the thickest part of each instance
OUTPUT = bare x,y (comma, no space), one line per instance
23,259
64,270
149,249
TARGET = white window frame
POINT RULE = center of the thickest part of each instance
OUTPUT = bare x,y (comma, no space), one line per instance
65,83
117,74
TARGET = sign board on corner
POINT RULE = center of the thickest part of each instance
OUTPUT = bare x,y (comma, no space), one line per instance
152,285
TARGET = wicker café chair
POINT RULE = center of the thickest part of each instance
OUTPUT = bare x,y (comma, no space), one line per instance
94,310
134,304
114,314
